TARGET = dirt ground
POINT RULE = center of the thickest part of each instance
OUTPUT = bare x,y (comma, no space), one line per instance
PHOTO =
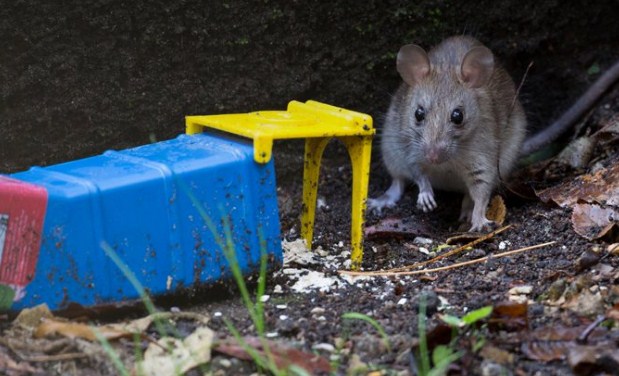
80,79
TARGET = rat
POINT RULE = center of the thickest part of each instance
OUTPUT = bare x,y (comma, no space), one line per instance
455,124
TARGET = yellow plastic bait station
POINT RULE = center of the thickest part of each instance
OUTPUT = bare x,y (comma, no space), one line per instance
317,123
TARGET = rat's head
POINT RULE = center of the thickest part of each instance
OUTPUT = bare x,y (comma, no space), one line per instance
443,109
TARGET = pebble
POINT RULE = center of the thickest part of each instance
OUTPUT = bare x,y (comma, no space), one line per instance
317,311
494,369
402,301
283,317
217,314
419,240
324,346
271,334
281,306
504,244
521,290
226,363
265,298
277,289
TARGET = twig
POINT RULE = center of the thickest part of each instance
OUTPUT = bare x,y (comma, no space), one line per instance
452,252
387,273
582,338
54,358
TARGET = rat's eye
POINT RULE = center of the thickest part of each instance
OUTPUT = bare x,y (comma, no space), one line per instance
457,116
420,114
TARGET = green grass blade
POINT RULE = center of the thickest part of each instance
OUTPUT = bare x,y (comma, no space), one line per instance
111,353
424,355
371,321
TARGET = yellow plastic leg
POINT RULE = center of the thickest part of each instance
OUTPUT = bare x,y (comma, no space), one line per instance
313,155
192,127
360,150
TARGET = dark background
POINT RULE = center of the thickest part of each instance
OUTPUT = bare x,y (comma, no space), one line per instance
81,77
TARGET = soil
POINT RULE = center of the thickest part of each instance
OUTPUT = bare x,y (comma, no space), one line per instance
78,79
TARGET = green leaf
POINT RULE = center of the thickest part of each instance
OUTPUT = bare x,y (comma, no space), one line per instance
453,321
476,315
443,356
7,294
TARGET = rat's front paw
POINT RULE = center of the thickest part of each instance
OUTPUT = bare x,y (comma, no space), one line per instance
425,201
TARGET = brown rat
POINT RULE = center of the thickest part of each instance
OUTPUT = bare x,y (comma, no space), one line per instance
454,124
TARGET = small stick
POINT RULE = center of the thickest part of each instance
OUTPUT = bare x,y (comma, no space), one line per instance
54,358
387,273
452,252
582,338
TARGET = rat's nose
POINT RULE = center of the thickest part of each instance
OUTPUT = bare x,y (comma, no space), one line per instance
435,154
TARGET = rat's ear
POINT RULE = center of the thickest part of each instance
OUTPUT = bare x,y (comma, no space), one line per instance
477,67
413,63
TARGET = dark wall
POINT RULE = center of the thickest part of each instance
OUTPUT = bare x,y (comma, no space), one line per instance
80,77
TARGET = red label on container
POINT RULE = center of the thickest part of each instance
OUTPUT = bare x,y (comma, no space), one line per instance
22,211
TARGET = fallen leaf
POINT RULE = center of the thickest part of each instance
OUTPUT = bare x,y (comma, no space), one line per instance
593,360
52,327
30,318
496,355
496,210
509,315
610,130
283,356
578,153
591,221
585,303
173,356
602,187
554,342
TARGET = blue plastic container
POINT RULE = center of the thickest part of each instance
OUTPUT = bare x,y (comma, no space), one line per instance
140,201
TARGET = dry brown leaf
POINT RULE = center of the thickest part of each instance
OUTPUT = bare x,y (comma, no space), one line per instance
283,356
593,360
553,343
30,318
592,221
497,355
602,187
610,131
509,315
496,210
52,327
